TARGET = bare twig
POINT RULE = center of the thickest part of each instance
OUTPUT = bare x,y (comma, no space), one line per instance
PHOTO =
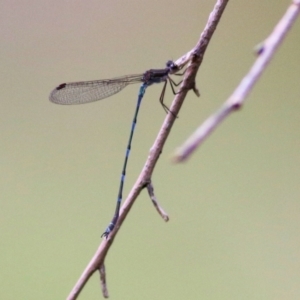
102,274
265,52
159,209
195,57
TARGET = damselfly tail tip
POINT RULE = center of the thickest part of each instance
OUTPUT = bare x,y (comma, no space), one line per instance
108,230
105,234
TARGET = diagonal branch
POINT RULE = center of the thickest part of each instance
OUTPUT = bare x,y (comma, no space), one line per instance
194,58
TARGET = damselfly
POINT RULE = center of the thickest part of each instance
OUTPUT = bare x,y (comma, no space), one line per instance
89,91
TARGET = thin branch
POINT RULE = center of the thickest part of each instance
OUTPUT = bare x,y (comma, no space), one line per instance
102,274
194,57
265,52
159,209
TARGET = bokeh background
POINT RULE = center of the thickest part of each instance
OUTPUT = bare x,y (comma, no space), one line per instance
234,229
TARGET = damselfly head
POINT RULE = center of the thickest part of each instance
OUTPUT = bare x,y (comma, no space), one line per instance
171,65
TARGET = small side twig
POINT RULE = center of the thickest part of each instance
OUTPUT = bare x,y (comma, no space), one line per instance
102,274
265,52
159,209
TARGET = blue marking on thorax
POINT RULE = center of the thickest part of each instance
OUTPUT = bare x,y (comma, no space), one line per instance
156,80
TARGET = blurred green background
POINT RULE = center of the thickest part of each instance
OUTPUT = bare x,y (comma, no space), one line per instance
234,229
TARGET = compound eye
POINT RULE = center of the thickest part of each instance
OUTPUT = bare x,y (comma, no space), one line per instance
170,64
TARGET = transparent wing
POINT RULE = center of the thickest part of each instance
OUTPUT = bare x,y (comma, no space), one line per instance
90,91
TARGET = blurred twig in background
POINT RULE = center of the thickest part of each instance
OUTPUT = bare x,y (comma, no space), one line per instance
265,52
